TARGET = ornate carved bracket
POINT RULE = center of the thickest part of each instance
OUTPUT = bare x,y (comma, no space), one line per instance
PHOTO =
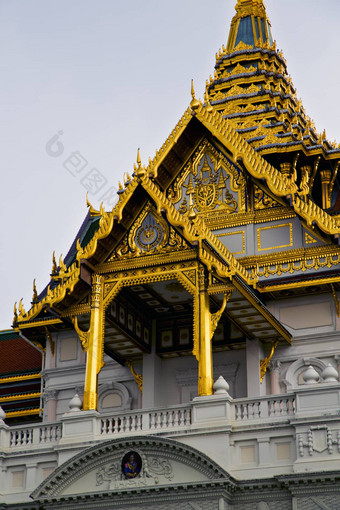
215,317
264,363
336,301
138,377
83,335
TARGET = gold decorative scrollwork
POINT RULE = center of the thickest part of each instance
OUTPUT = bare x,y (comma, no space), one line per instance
202,185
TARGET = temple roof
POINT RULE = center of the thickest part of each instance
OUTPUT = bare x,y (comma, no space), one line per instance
252,88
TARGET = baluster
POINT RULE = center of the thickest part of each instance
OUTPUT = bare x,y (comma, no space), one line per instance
152,421
270,408
170,419
178,418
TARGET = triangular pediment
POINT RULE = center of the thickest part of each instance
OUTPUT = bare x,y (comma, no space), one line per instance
209,184
149,234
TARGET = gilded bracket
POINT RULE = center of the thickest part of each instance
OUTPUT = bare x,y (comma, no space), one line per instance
264,363
138,377
50,341
215,317
336,301
83,335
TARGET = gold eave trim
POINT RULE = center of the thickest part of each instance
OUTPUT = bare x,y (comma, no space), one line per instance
29,412
295,255
18,378
19,397
162,258
296,285
36,324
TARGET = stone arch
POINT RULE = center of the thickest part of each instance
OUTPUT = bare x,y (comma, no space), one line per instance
114,393
98,469
299,366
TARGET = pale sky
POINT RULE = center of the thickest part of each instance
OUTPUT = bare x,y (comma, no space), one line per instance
112,76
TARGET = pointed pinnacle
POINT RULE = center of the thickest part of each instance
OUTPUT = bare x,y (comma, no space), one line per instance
35,293
139,161
194,103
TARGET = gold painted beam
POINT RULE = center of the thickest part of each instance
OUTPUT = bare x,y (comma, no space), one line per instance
18,378
24,396
25,412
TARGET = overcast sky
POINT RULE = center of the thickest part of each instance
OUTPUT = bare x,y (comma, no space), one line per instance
104,77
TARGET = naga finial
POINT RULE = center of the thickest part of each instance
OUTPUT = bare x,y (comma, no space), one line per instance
21,309
15,318
54,264
92,210
35,293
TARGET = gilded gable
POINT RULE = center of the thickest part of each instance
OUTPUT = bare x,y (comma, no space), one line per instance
149,234
208,184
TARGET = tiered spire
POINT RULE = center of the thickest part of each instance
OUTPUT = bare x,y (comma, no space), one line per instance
251,86
250,24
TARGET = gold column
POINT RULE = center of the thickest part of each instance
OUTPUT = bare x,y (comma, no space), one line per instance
205,362
94,359
93,343
326,176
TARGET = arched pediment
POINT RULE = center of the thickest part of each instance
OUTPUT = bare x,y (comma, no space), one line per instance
138,462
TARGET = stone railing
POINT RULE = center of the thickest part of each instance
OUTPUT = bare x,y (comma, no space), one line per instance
150,421
35,435
278,406
202,413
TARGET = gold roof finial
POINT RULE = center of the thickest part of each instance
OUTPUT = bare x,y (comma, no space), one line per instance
139,169
54,264
139,160
62,265
35,293
15,318
194,103
92,210
21,309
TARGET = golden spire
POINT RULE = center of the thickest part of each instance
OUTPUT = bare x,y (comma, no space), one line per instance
194,103
139,161
250,7
139,169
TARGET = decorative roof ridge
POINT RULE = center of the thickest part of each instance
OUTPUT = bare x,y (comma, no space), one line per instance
70,276
259,168
168,144
196,231
69,280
